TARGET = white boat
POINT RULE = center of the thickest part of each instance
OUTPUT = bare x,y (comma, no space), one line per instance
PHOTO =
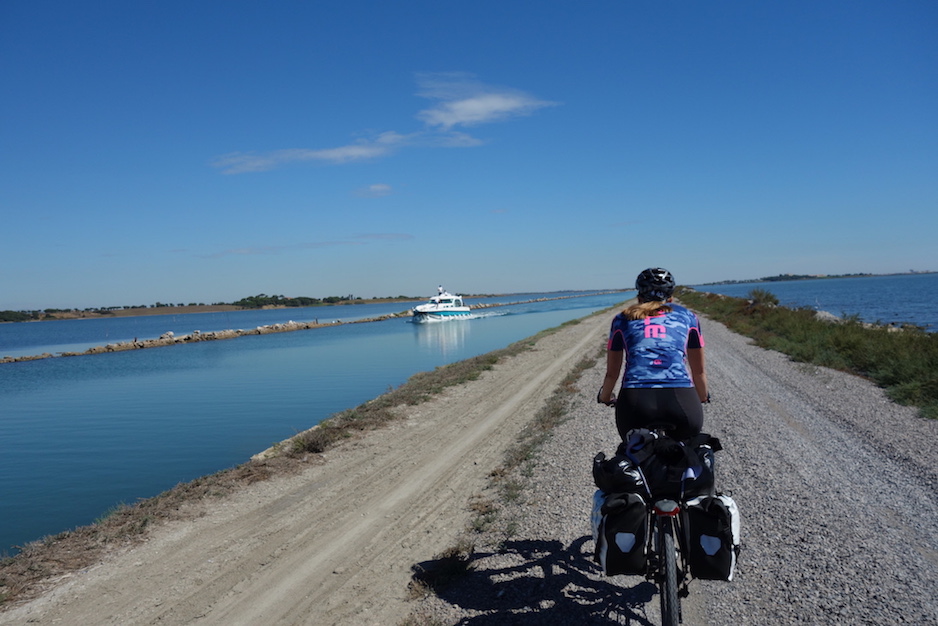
443,306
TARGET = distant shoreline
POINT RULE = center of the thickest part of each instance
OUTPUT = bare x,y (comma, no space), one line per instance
785,278
75,314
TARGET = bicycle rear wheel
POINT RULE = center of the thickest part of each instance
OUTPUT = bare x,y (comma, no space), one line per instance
667,576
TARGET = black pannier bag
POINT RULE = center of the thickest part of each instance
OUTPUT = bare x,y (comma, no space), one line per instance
616,475
672,468
619,532
713,537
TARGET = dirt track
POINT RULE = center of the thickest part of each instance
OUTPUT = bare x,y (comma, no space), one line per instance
335,544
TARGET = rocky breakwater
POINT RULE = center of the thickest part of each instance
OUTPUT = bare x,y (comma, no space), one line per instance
171,339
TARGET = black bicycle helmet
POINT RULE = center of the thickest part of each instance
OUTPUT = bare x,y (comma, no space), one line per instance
655,283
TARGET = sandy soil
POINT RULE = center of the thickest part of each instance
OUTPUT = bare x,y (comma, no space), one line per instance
335,544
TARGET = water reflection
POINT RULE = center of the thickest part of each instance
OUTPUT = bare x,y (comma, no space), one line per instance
444,338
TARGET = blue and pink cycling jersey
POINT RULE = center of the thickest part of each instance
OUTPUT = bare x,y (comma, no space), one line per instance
656,347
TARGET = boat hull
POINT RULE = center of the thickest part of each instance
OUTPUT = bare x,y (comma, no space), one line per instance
425,317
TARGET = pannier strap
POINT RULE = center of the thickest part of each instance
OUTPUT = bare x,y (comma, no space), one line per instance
640,444
703,439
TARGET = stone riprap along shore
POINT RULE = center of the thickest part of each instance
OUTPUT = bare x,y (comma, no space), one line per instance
170,339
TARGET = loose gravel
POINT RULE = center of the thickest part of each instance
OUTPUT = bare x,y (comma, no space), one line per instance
835,484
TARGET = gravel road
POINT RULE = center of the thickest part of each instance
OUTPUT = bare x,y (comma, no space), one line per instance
835,484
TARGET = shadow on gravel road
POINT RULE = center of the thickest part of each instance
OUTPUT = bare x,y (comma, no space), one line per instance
539,582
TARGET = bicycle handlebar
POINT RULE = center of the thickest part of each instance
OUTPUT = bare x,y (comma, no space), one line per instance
599,393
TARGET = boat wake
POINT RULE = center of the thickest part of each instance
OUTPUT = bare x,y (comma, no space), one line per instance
490,314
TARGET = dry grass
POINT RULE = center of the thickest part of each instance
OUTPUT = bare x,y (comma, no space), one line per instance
448,567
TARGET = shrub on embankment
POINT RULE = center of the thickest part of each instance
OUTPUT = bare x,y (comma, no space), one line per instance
904,361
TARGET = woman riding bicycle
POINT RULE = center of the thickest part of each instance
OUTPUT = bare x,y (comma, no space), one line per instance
665,381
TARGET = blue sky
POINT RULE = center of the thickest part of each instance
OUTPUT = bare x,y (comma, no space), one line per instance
206,151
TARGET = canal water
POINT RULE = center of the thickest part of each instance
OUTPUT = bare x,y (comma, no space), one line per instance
84,434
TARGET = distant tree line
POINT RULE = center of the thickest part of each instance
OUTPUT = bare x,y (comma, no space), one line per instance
19,316
786,277
781,277
262,300
251,302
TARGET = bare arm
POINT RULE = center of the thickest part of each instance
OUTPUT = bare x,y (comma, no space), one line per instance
695,359
613,367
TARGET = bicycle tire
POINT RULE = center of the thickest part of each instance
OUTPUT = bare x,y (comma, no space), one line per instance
667,581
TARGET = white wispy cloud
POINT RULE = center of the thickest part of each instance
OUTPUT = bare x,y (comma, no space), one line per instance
377,190
465,101
460,101
241,162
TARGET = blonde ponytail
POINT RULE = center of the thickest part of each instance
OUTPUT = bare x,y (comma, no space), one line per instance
641,310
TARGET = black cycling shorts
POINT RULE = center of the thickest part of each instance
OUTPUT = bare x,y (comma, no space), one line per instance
650,407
